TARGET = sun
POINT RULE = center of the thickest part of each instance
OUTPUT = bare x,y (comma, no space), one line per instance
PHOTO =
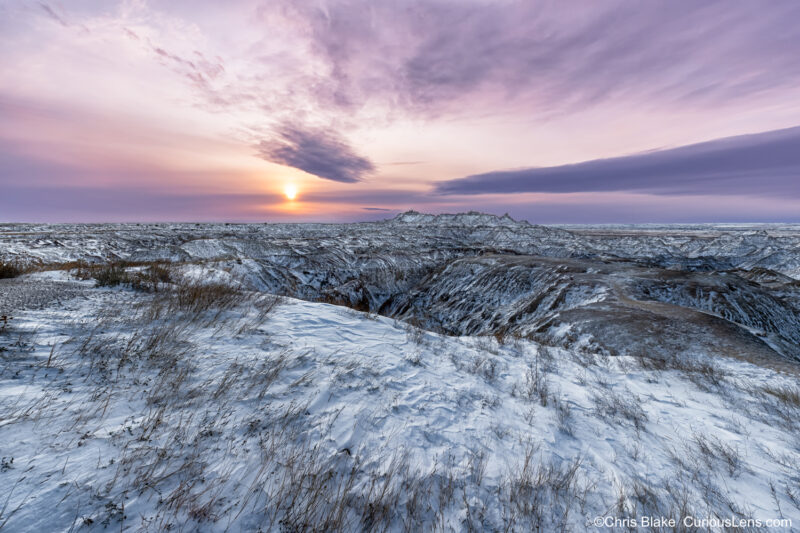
290,190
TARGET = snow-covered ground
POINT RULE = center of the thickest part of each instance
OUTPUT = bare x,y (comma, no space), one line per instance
424,237
129,410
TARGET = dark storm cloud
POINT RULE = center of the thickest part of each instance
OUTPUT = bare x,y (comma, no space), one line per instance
764,164
321,153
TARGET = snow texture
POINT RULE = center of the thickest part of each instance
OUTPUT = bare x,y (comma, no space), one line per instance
484,375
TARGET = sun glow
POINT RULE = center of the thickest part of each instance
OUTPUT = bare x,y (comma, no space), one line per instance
290,190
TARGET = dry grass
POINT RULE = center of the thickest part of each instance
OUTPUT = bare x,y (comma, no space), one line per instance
4,319
636,500
536,387
414,333
543,495
618,407
714,450
11,269
141,276
153,277
196,298
111,275
779,404
537,384
702,373
207,304
789,396
173,454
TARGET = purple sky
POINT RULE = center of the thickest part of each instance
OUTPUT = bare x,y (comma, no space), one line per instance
140,110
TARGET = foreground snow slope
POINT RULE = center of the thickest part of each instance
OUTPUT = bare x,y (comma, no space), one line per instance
137,411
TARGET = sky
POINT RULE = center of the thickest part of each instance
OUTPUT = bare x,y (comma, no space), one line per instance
551,111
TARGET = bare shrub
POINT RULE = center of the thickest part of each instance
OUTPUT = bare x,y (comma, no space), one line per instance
266,303
7,513
584,357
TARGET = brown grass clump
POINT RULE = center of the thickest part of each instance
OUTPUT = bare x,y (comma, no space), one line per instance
111,275
196,297
787,395
153,278
10,269
150,278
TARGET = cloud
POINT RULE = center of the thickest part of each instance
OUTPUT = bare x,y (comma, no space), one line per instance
199,69
585,78
386,197
427,56
50,12
321,153
53,15
763,164
54,203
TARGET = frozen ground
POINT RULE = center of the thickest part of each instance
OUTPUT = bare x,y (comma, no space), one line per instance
203,403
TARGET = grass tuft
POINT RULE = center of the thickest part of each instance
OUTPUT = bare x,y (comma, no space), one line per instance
787,395
10,269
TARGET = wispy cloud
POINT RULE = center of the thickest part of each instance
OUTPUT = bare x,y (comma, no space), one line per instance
426,55
765,164
321,153
50,12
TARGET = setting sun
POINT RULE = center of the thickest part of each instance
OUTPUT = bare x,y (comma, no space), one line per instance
290,190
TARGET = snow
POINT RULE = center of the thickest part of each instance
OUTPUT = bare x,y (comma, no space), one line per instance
209,439
771,246
588,371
